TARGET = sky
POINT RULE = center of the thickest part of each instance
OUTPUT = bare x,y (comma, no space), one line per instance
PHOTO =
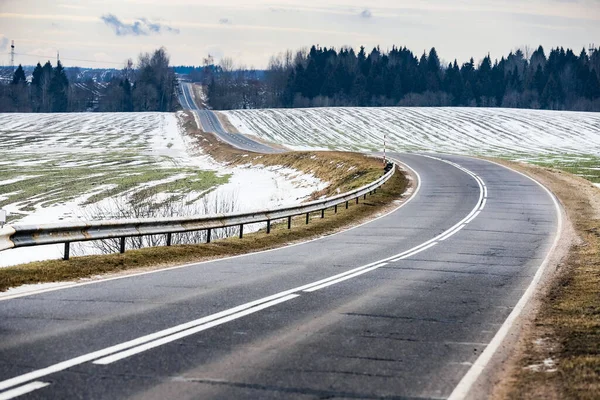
105,33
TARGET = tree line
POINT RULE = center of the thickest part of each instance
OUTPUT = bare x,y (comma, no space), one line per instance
320,77
151,86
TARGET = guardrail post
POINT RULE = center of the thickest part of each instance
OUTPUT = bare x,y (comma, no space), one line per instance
93,231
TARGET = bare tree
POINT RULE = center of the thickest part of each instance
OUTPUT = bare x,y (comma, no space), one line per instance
151,206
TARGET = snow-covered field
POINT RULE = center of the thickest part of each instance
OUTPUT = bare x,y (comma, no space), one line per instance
450,130
567,140
61,167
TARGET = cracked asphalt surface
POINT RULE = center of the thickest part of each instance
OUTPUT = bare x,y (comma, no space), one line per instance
409,329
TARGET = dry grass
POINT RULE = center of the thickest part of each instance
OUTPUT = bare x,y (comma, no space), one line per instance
157,257
197,89
226,123
229,127
344,171
566,330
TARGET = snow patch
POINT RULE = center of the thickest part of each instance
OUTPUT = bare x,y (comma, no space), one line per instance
154,139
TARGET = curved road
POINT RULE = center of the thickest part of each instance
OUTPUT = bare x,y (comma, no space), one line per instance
396,308
210,123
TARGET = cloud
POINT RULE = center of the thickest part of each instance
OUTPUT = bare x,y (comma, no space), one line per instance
225,21
366,13
139,27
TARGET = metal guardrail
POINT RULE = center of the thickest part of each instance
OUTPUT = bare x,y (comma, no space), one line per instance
68,232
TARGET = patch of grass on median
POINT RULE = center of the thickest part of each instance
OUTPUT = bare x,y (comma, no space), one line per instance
155,257
559,357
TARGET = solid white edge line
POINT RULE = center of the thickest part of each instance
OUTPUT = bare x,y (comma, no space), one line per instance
21,390
119,347
194,324
180,335
79,284
468,380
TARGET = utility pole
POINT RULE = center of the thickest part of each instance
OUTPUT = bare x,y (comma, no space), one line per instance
12,55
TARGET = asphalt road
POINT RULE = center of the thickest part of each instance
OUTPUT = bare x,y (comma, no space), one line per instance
404,316
210,123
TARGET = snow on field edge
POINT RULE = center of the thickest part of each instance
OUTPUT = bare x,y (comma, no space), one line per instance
157,135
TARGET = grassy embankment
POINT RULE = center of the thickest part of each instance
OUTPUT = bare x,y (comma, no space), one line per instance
344,172
558,355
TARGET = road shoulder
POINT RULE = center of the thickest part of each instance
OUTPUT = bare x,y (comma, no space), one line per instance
552,349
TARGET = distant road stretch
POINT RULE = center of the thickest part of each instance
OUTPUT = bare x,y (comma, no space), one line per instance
401,307
210,123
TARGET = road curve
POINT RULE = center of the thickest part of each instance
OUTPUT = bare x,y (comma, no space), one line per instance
210,123
396,308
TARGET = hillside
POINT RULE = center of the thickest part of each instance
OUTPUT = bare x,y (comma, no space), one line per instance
566,139
65,167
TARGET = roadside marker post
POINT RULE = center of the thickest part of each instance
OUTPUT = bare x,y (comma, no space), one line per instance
3,214
384,140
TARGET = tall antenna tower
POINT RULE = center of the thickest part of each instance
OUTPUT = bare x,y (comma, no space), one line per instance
57,57
591,49
12,55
